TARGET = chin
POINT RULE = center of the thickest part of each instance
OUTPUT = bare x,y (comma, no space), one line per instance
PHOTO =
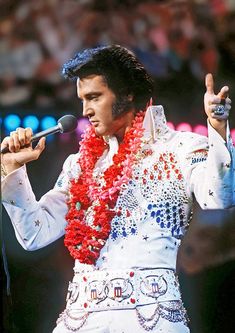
101,132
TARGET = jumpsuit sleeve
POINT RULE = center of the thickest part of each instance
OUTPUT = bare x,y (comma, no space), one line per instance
38,223
208,167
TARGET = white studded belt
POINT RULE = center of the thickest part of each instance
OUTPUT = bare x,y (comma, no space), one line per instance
100,290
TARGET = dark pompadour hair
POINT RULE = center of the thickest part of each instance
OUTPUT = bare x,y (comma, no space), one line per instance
123,72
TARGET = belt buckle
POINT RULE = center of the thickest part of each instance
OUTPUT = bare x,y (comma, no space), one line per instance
111,290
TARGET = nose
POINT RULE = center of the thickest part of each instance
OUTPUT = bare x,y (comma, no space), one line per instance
87,110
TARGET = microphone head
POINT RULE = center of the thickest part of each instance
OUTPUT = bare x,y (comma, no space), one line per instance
68,123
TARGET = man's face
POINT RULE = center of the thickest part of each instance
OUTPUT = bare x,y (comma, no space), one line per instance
98,101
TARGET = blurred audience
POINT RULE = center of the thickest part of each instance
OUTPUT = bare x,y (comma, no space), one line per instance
178,41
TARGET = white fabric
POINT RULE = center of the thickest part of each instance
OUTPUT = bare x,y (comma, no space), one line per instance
153,211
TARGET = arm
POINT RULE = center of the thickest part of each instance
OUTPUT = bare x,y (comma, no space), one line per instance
37,223
209,165
211,104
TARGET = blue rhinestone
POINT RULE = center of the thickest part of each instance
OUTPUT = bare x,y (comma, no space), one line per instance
162,225
158,219
133,230
150,207
152,214
114,235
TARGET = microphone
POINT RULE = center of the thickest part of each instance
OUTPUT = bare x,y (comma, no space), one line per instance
65,124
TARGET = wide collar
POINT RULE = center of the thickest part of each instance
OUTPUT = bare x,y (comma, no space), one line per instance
155,127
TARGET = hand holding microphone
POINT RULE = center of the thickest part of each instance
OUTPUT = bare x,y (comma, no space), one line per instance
19,143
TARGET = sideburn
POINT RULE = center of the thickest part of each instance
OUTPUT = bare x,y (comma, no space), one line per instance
121,106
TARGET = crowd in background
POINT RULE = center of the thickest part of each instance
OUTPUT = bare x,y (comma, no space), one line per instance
177,41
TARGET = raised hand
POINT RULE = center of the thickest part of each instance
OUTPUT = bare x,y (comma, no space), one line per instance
20,149
217,107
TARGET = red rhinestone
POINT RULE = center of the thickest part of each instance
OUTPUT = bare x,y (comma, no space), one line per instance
144,181
84,278
85,305
132,300
132,274
151,176
119,213
145,171
179,176
155,166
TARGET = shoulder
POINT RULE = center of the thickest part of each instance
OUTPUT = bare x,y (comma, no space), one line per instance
187,139
71,165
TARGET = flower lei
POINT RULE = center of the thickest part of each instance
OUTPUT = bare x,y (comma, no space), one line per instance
91,203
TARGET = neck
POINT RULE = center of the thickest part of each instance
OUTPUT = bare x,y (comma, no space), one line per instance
125,123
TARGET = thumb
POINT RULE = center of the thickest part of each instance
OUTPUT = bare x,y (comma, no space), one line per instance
223,92
40,146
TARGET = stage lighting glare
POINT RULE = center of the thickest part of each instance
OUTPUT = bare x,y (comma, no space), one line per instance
184,127
31,121
11,122
82,125
200,129
47,122
170,125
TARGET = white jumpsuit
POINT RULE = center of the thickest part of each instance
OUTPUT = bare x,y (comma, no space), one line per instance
133,286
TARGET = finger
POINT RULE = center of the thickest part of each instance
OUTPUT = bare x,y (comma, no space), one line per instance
14,143
40,147
220,117
11,145
21,136
224,92
4,142
228,100
28,135
209,82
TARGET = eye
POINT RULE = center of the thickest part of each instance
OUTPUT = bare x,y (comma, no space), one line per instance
94,98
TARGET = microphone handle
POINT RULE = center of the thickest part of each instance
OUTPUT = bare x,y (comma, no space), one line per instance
46,132
37,136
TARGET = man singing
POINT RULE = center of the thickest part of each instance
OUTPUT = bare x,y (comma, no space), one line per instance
125,199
